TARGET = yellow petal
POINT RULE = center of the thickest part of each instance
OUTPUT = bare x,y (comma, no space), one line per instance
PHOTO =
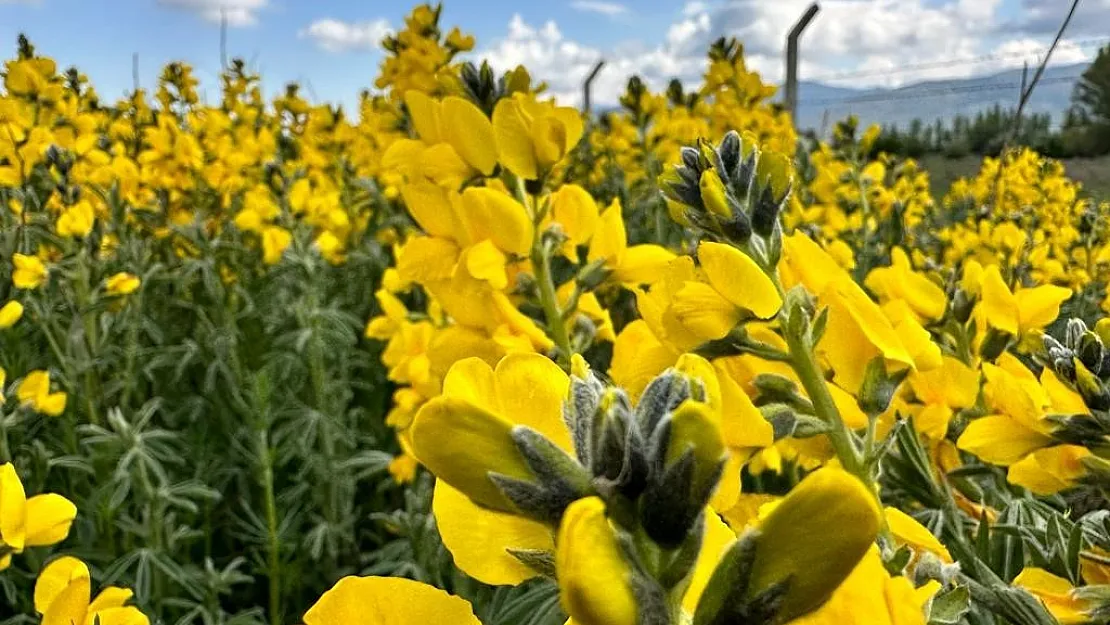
742,425
13,508
494,215
1049,471
573,127
479,539
1056,593
469,131
388,601
512,130
716,539
1000,440
59,581
702,310
110,597
431,207
998,304
10,313
739,279
594,579
808,263
573,208
814,538
638,357
462,444
642,264
1039,306
485,262
610,239
129,615
908,531
48,519
425,115
35,384
531,389
427,259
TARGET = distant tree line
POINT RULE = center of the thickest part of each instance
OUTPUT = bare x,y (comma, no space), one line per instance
1084,131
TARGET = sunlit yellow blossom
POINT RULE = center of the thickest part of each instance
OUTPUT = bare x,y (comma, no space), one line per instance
388,601
34,391
62,596
29,272
10,313
35,522
532,136
122,283
1057,594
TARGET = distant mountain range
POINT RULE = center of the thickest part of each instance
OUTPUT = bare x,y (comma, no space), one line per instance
821,105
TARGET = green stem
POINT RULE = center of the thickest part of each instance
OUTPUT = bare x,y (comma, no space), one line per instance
5,449
541,263
809,372
131,350
272,546
88,317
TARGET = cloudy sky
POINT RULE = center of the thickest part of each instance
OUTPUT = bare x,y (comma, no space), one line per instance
331,45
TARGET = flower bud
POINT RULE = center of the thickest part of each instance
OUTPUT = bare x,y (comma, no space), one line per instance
690,468
813,539
714,195
595,580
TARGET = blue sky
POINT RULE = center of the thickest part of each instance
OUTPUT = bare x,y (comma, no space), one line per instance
330,46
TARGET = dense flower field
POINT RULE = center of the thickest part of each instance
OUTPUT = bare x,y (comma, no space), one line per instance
468,356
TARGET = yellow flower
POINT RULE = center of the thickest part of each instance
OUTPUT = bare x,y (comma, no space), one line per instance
76,221
632,265
388,601
122,283
465,434
594,579
10,313
900,281
907,531
813,539
1017,433
36,522
34,391
943,390
532,136
29,272
871,596
275,240
1020,311
62,594
403,468
736,289
457,124
1056,593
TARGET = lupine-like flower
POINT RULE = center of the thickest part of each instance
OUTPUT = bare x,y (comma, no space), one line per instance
122,283
10,313
30,272
39,521
63,593
34,391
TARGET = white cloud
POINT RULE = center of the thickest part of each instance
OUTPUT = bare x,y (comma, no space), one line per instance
565,63
336,36
875,41
611,9
237,12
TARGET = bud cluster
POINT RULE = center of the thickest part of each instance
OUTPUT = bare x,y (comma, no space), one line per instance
731,191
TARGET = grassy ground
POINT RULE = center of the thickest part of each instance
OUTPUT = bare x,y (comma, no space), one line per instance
1093,173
